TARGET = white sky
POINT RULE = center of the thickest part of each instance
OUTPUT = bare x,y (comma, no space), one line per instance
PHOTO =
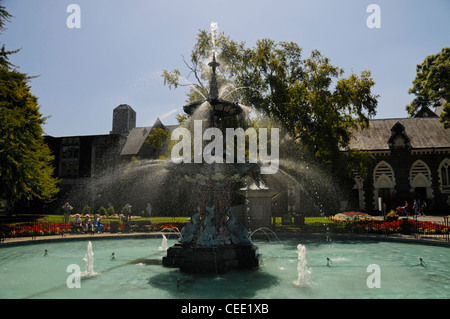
118,53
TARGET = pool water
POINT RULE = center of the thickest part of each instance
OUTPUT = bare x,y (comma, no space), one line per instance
137,273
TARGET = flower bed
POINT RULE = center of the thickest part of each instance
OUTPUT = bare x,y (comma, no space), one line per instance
351,216
428,227
168,226
46,229
390,226
378,227
35,229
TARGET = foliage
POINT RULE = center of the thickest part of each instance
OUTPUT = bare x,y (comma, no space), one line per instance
431,86
159,140
157,137
378,226
5,17
299,95
392,213
53,228
110,211
344,216
101,211
429,227
35,229
314,224
25,160
86,209
181,118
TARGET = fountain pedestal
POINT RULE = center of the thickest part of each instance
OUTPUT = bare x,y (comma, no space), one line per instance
212,259
259,205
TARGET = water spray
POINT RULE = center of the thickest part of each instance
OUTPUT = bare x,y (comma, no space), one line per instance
214,27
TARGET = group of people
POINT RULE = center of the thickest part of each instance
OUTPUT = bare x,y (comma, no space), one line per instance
418,208
88,224
85,225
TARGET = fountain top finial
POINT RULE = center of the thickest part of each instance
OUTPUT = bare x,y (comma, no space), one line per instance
214,64
213,89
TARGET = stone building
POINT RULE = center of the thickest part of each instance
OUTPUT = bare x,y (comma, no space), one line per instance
412,158
412,161
87,165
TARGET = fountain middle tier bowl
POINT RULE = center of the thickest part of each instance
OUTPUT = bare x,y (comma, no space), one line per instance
215,171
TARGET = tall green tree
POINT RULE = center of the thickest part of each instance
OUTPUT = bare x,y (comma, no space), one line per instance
26,171
431,86
311,98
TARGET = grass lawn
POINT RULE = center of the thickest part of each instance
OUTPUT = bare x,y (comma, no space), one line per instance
320,221
23,218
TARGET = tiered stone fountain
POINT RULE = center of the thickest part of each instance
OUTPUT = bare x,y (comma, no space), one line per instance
214,241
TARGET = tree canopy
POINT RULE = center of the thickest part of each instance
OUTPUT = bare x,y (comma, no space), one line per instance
431,86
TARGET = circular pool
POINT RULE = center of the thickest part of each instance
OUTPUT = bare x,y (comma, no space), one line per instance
354,269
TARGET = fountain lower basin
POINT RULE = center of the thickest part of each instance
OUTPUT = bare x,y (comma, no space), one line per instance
137,272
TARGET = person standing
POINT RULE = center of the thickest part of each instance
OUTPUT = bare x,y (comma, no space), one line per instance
148,210
423,207
416,208
66,211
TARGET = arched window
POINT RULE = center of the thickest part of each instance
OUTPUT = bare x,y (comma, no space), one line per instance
383,175
420,179
383,183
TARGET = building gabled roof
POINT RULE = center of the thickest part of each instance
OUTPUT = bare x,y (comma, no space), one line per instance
423,133
135,140
426,112
138,135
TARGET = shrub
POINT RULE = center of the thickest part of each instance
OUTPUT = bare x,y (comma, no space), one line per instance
101,211
110,211
86,209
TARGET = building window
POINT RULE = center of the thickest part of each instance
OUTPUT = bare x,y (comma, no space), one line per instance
384,182
399,142
399,139
70,157
420,179
444,174
383,171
